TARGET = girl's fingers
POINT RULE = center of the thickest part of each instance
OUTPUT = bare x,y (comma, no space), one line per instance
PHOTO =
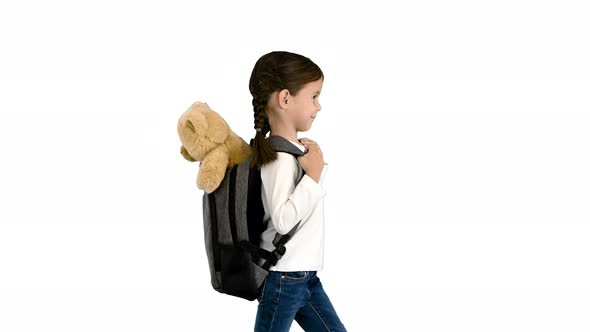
309,144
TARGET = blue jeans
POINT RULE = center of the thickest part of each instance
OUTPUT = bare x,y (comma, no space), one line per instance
299,296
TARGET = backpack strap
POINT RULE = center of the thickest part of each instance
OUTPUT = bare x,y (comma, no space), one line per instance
279,143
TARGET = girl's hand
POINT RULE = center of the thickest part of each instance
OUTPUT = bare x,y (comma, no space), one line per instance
312,161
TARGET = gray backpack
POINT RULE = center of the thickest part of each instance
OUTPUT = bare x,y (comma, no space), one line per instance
233,221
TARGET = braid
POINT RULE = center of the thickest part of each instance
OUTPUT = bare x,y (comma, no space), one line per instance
263,152
259,114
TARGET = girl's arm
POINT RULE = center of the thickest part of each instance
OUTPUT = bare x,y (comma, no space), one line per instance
288,203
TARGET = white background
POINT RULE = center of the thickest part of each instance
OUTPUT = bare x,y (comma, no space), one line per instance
457,134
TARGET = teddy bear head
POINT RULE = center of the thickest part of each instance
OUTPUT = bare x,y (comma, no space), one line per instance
201,130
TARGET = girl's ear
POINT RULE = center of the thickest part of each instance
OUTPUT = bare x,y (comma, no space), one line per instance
281,98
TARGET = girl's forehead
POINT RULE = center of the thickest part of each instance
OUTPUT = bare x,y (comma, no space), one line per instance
314,86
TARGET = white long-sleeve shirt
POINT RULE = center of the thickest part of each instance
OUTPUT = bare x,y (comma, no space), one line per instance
285,205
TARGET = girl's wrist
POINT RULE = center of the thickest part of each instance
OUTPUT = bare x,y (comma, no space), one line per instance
315,176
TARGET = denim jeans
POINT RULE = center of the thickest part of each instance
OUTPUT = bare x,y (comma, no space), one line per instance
299,296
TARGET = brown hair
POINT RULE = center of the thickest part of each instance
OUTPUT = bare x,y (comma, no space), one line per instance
275,71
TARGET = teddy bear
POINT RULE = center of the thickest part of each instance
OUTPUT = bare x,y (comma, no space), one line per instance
207,138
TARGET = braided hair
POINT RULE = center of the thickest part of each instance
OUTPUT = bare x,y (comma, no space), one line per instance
272,72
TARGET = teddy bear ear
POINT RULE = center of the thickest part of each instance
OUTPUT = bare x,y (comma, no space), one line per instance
190,126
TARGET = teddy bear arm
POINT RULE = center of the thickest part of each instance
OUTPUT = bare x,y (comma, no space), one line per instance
212,169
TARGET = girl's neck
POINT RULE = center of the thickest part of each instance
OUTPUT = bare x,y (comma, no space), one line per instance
292,136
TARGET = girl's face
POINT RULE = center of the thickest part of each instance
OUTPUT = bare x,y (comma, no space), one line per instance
306,105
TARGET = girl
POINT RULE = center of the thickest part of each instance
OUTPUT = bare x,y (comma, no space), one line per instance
285,89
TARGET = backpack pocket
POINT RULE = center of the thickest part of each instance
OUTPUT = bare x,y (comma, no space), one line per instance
238,273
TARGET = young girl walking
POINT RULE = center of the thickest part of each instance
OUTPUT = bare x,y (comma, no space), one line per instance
285,88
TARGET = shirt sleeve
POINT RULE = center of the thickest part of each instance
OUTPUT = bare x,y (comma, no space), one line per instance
288,203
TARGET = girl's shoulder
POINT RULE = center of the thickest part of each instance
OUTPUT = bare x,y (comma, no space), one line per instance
284,165
284,160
